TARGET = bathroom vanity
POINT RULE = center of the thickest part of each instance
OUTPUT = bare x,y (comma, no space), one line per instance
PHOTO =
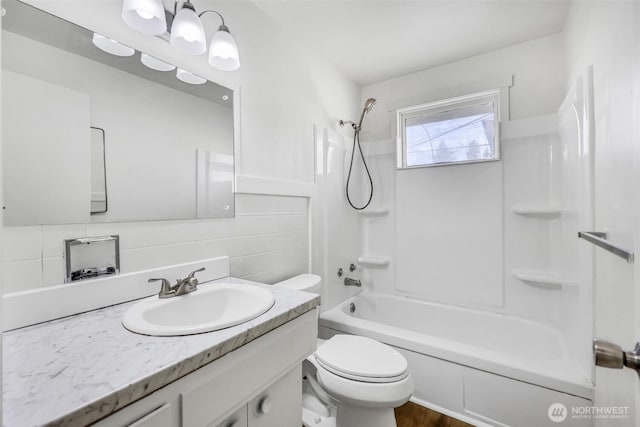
88,368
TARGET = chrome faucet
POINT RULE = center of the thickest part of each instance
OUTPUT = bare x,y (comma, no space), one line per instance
182,286
352,282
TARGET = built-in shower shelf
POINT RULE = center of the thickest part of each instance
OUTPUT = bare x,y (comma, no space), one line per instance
541,211
374,261
375,212
542,279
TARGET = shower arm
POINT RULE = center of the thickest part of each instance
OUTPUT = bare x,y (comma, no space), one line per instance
368,105
353,125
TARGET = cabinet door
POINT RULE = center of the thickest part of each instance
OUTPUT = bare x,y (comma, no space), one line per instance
237,419
280,404
161,417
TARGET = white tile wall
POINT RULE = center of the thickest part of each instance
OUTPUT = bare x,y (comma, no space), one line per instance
267,241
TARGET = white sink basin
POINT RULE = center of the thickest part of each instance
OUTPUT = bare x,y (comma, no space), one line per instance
209,308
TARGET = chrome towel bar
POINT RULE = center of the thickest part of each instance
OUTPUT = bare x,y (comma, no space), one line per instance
600,239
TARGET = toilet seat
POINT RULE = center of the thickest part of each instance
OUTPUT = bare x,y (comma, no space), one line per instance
361,359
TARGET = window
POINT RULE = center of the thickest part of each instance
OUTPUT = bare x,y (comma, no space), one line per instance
449,132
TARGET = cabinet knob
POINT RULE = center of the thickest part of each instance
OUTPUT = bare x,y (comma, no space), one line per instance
265,405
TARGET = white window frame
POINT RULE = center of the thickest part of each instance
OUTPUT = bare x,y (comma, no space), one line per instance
402,114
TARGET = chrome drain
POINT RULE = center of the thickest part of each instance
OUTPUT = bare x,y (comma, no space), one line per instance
352,308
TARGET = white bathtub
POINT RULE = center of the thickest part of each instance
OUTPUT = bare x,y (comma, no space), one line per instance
465,360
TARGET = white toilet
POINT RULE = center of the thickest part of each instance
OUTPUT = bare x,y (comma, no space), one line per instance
352,381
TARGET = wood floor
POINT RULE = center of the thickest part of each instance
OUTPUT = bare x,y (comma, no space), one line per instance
412,415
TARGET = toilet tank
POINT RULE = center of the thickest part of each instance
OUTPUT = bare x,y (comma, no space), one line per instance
303,282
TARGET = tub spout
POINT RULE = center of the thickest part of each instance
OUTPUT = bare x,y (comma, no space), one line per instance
352,282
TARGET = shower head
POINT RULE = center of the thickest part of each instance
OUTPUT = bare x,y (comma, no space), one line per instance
368,106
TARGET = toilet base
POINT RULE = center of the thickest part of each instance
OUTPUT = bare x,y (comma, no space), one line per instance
311,419
359,416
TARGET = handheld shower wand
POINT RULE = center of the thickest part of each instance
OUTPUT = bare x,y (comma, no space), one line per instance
368,106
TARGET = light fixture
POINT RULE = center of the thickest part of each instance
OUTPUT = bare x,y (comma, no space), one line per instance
111,46
145,16
223,52
155,63
190,78
187,32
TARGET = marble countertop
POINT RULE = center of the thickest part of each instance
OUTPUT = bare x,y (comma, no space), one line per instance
79,369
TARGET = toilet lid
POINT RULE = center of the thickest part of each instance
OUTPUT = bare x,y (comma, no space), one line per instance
361,359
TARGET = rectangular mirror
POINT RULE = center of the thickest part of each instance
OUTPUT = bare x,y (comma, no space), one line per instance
93,137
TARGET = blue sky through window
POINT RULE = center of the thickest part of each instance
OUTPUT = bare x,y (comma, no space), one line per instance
459,135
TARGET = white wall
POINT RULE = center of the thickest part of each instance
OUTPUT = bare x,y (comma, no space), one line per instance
537,90
284,90
267,241
606,34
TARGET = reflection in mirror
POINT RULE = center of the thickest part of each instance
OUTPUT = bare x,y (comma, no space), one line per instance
98,172
168,153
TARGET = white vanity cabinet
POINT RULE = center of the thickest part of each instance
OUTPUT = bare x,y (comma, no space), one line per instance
279,405
256,385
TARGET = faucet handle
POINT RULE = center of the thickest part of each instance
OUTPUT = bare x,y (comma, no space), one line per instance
165,289
192,274
188,284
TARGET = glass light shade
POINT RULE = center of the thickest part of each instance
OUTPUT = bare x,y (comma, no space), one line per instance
111,46
145,16
223,53
155,63
190,78
187,32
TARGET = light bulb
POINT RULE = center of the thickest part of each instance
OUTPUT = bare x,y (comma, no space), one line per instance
145,16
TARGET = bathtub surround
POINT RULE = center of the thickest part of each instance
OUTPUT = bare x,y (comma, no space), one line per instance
510,225
535,91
